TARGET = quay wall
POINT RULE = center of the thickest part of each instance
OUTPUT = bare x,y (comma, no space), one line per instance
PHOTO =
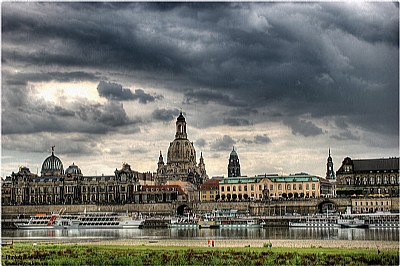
269,208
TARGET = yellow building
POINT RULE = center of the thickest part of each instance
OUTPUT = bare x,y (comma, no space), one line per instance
265,187
294,186
209,190
242,188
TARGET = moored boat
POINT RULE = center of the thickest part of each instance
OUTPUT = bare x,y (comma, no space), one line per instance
86,220
316,221
351,222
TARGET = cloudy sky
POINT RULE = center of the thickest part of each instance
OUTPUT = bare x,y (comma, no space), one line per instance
282,82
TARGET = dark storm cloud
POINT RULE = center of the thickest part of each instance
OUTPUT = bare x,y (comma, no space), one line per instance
236,122
165,115
201,143
114,91
77,145
303,127
258,139
223,144
39,116
346,135
319,59
205,96
23,78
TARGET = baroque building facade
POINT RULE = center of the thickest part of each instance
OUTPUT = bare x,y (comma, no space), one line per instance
181,159
368,177
56,186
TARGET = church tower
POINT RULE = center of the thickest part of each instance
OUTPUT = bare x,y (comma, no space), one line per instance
330,173
233,165
181,127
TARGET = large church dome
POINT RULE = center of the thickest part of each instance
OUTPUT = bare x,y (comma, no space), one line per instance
52,166
181,150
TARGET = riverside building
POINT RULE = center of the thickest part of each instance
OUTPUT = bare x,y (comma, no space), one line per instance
368,177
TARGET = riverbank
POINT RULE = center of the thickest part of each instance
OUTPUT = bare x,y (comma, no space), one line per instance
224,243
195,252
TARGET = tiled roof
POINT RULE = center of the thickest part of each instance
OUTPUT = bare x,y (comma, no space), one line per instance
294,178
240,180
376,164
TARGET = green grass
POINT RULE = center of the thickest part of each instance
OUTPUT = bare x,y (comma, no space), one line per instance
69,254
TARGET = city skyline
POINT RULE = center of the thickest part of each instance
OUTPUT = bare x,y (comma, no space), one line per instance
282,82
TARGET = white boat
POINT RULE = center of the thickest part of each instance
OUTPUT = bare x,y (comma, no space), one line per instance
240,223
98,220
39,221
183,223
316,221
382,220
351,222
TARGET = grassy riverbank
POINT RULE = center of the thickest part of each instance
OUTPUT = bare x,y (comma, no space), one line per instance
89,254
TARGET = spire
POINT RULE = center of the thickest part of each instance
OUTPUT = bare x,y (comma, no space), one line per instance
52,150
329,151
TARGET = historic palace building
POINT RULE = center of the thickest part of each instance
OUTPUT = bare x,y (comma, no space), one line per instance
181,159
368,177
56,186
265,187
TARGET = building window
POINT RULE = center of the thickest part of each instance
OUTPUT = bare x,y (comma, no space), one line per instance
300,186
252,187
307,186
288,187
294,186
259,187
245,188
371,180
271,187
280,187
222,189
313,186
228,189
240,188
234,188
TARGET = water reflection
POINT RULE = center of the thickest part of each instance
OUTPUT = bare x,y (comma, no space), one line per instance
175,233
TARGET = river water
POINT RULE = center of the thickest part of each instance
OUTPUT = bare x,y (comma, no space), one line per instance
386,234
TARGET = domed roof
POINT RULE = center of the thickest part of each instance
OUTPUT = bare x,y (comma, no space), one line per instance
73,170
181,150
52,166
233,152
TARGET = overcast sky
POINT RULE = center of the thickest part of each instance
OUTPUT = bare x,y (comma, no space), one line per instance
282,82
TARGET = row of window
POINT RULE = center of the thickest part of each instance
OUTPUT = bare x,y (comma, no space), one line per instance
271,187
372,180
371,203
